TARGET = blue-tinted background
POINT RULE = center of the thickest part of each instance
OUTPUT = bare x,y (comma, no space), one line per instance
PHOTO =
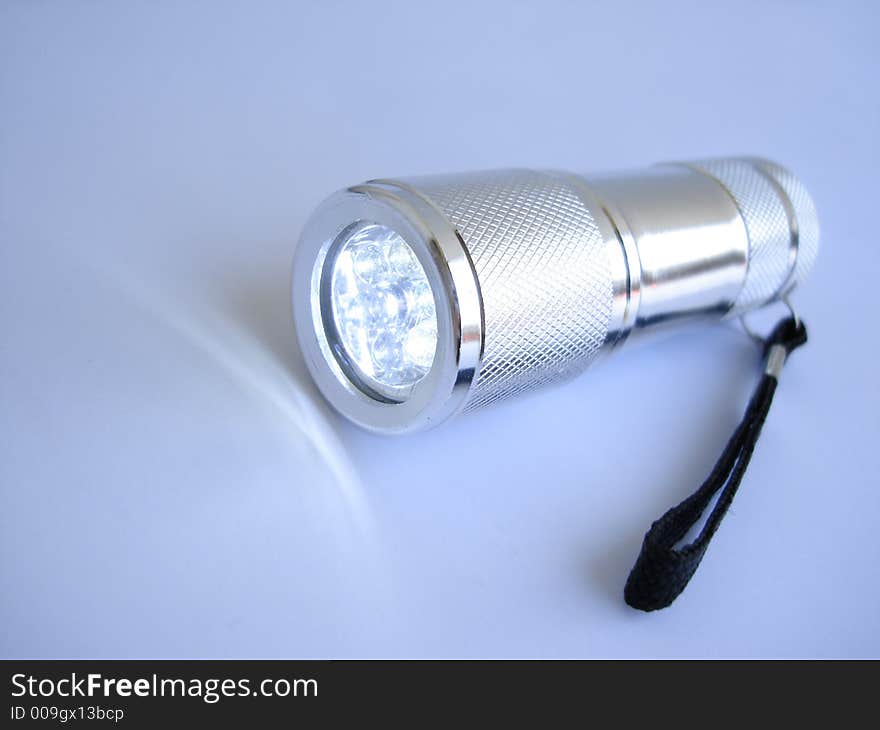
170,482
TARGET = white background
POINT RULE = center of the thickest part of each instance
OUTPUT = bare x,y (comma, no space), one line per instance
172,485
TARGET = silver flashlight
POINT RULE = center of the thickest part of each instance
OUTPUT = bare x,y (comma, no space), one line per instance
416,299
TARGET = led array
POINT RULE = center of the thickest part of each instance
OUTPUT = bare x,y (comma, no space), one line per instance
383,307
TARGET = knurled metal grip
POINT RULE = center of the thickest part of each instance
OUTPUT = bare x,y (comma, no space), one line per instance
543,272
534,273
781,225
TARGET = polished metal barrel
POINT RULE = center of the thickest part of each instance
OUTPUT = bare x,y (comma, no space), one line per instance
540,271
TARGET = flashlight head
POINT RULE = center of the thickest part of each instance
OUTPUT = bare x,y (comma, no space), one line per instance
387,308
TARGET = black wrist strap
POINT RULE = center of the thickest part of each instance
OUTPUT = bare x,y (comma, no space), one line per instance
663,569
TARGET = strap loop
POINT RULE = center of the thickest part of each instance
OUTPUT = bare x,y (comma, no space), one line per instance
662,570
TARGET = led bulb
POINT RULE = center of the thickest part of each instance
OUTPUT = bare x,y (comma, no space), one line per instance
383,309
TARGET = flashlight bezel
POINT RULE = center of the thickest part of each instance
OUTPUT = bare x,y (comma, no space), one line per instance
442,254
